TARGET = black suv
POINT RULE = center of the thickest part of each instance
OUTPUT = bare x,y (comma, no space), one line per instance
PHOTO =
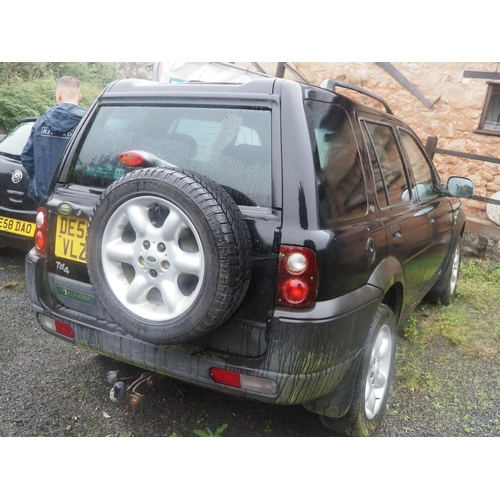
260,239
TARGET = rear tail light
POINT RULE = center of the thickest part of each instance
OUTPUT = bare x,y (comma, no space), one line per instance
41,231
297,277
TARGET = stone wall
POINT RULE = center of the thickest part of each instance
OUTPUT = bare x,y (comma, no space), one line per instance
142,70
458,103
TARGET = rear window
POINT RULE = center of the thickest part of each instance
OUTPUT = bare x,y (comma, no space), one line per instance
232,146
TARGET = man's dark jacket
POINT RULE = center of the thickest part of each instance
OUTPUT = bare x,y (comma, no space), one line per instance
49,136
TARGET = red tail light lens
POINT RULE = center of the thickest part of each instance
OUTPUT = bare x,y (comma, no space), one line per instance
297,277
131,159
41,231
296,290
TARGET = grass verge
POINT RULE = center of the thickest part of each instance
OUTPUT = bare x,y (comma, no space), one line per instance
472,322
448,362
440,344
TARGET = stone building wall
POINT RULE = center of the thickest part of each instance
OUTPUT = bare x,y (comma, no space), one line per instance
458,104
142,70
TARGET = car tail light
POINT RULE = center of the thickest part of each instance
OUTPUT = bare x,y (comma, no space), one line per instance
242,381
132,158
41,231
297,277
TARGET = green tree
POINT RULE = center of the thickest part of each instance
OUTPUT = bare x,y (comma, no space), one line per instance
28,89
14,71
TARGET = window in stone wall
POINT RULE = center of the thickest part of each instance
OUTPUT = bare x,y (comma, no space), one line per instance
490,118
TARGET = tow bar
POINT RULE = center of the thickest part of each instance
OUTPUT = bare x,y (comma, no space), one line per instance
130,390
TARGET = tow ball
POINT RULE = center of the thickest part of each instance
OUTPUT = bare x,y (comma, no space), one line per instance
129,390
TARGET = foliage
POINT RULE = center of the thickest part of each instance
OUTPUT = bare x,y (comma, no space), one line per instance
208,433
466,324
28,89
94,73
21,100
410,331
411,370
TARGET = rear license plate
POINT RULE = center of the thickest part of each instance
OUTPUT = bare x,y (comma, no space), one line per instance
17,226
70,239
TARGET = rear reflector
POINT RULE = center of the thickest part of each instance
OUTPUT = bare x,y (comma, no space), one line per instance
56,326
225,377
241,381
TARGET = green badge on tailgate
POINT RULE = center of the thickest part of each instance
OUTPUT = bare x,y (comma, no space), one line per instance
74,294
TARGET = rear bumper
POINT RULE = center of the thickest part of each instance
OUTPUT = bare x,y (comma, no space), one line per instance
11,240
309,355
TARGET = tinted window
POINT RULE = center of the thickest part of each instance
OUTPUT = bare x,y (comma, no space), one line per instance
231,146
490,119
389,174
377,175
422,170
341,184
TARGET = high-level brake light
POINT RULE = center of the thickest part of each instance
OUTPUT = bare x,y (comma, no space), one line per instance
132,158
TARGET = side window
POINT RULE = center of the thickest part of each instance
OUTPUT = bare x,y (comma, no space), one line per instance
389,174
422,172
490,118
382,196
341,183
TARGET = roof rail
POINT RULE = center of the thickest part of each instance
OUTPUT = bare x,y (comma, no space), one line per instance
330,84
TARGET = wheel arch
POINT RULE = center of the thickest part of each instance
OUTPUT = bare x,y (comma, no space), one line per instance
389,277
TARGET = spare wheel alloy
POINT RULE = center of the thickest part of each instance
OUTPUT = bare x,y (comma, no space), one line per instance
169,254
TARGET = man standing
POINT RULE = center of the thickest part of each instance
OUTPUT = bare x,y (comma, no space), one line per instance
50,135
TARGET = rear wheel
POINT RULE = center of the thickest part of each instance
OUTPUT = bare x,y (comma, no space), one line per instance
373,381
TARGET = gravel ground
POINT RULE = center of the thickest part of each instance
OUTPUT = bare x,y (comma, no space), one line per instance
50,388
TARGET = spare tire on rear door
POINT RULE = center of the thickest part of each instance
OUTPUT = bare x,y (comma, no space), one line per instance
169,254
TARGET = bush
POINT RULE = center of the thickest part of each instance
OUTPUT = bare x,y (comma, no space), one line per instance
20,100
28,89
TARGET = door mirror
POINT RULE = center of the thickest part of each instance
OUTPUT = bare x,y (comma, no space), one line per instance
461,187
